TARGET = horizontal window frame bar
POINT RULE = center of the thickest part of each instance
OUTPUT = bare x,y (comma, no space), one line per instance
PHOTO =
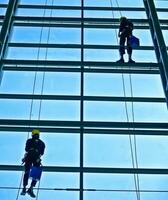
84,124
73,46
102,170
78,70
66,25
86,131
84,20
87,8
84,98
80,20
78,63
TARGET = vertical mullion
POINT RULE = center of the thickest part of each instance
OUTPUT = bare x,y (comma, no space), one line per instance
81,102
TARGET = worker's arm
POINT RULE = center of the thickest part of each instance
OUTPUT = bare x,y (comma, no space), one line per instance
42,148
120,30
28,146
131,25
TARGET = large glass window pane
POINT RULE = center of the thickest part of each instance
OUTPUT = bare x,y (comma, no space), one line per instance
52,54
9,179
53,110
49,2
12,152
62,83
108,151
153,182
100,36
114,14
165,35
48,12
4,1
103,84
54,83
14,109
109,182
147,85
109,195
137,3
56,35
113,55
61,149
156,155
150,112
59,194
60,110
2,11
104,111
59,181
25,34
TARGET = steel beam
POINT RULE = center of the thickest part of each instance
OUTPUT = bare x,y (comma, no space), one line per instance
159,44
6,30
81,139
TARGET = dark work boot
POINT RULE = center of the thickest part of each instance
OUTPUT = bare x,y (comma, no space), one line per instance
120,61
31,193
23,192
131,61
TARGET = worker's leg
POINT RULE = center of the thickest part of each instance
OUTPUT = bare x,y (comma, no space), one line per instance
122,49
129,51
33,183
27,166
26,173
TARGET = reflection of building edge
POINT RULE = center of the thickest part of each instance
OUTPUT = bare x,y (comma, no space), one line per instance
83,127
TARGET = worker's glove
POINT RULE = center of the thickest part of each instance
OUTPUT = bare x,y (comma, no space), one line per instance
38,160
24,158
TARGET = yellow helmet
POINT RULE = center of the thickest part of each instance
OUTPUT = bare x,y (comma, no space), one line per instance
35,132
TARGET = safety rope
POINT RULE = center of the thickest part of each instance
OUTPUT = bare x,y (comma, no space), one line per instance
134,136
119,7
33,92
134,164
43,80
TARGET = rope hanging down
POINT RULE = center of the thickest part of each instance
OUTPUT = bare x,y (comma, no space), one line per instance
43,79
32,101
133,152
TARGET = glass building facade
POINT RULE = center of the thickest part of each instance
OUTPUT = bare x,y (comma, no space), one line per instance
105,124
